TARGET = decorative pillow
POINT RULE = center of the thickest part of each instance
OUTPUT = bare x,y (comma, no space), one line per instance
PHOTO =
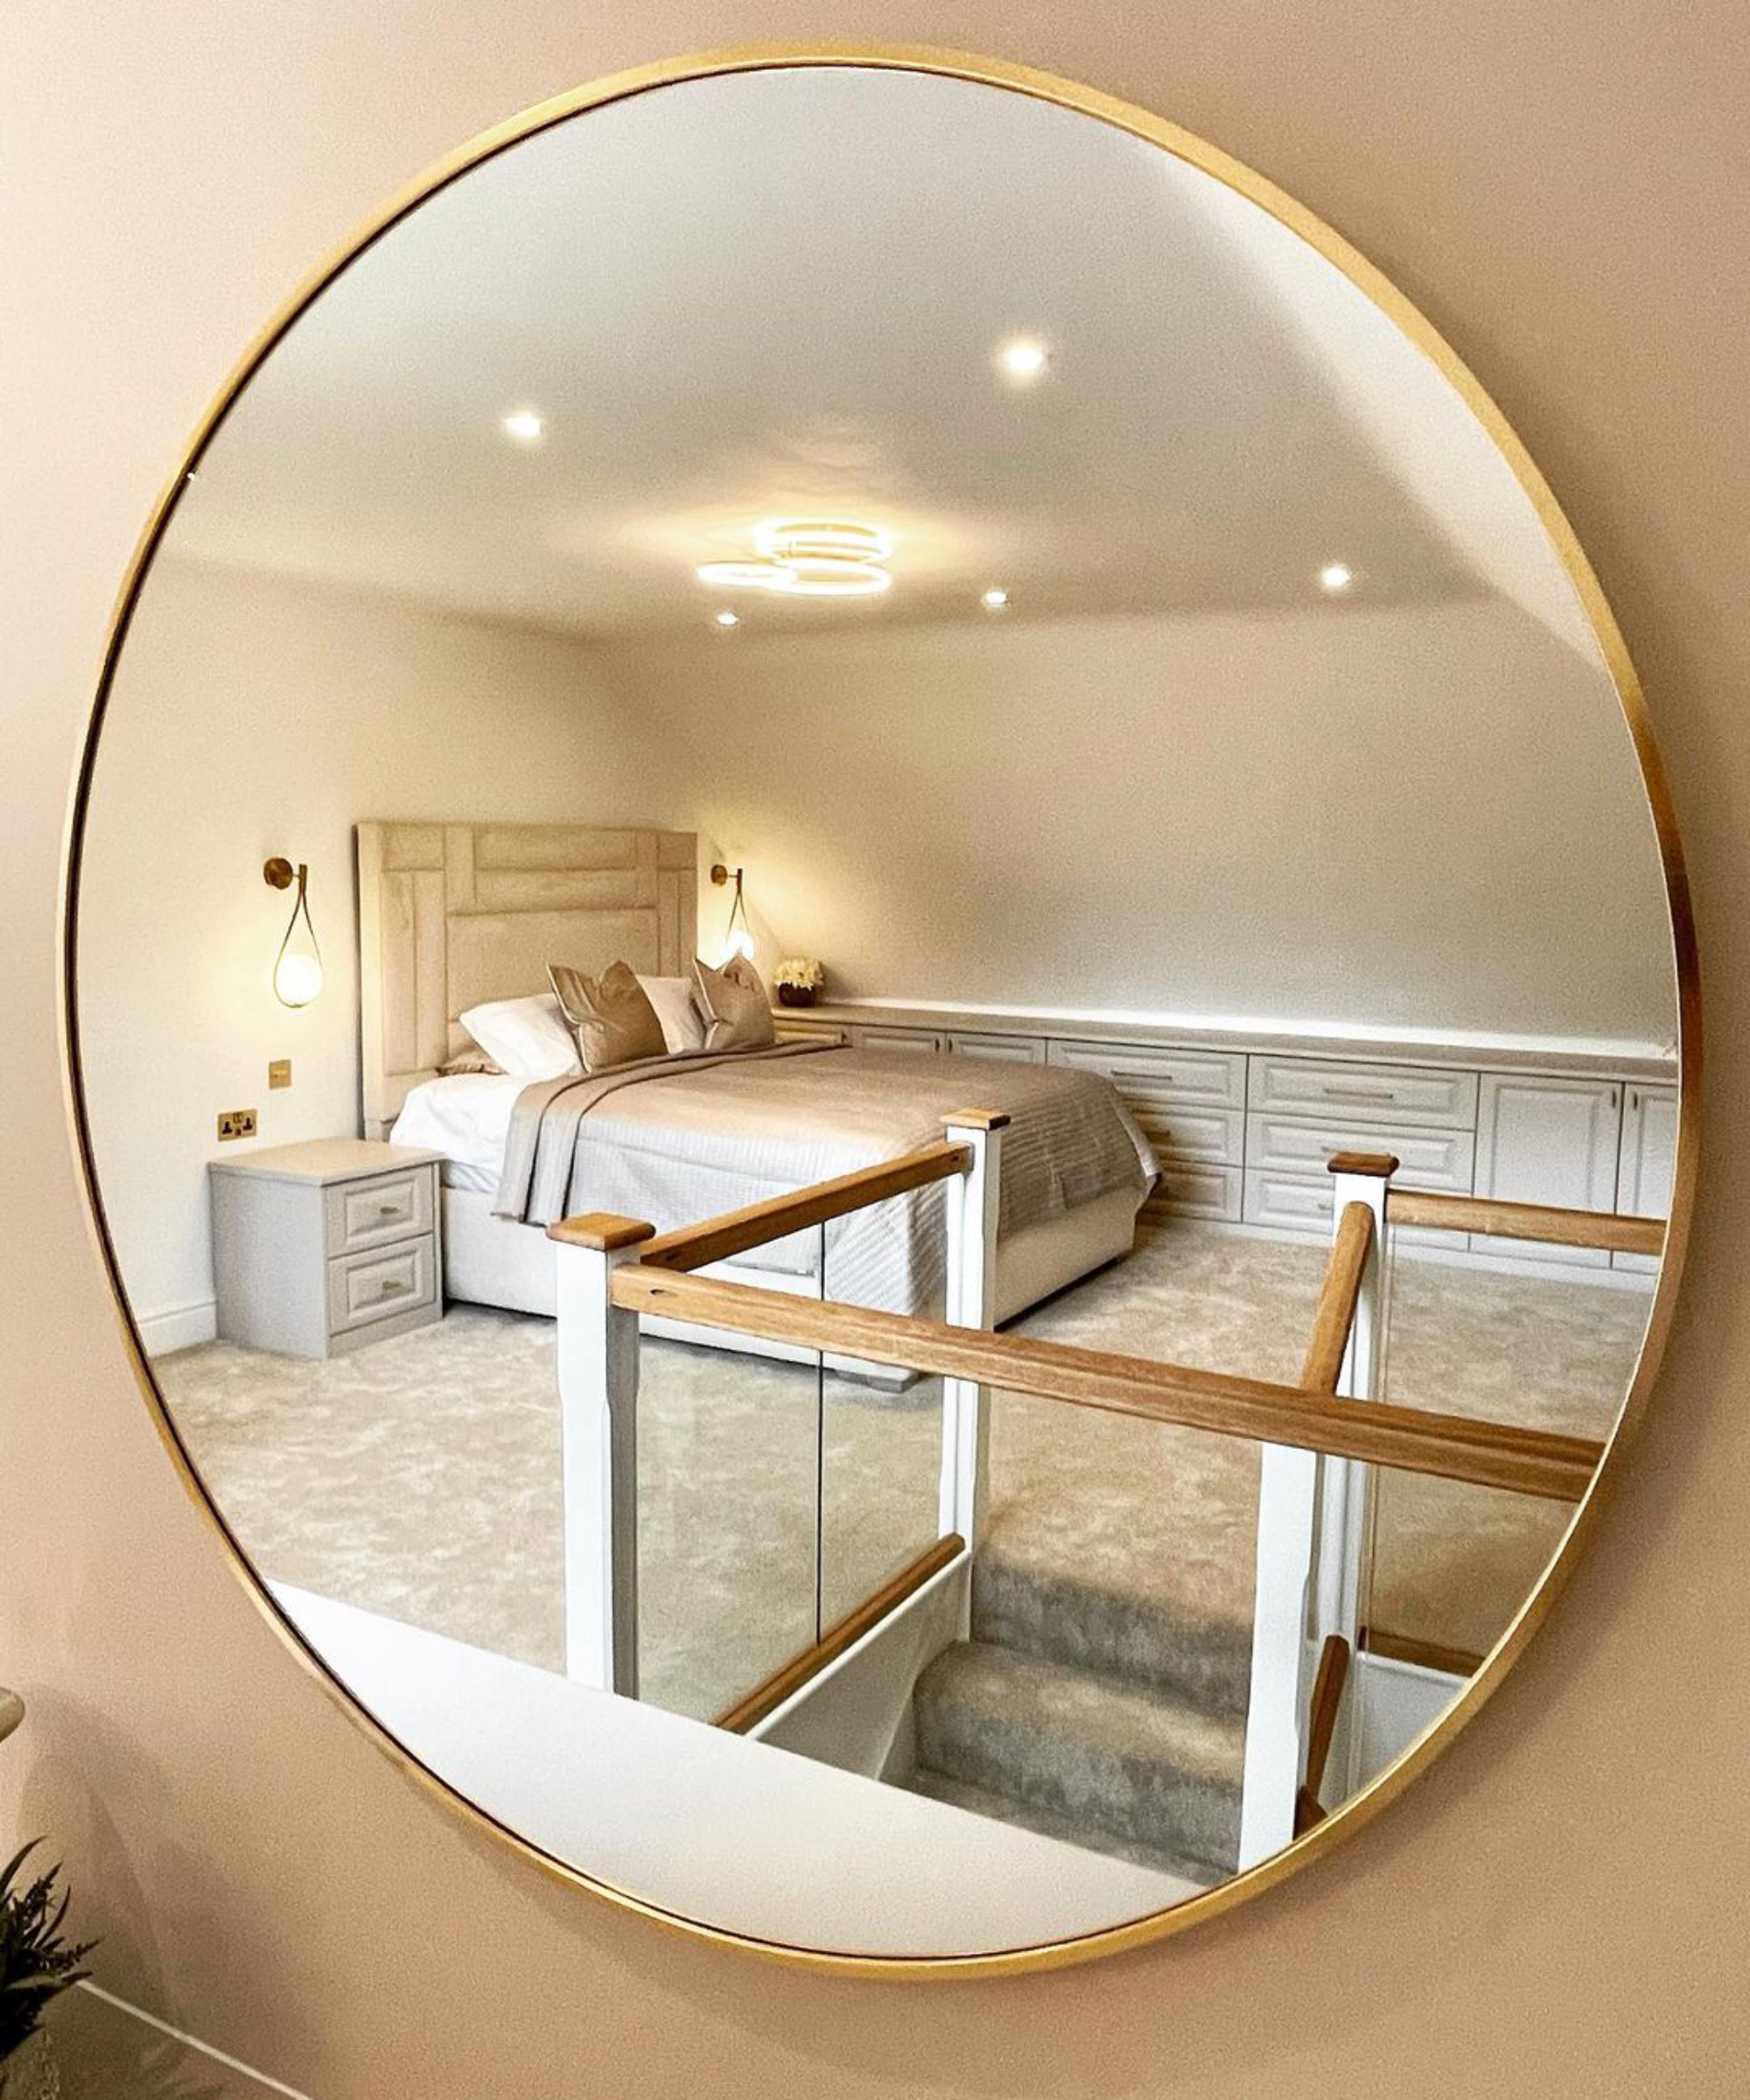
735,999
611,1016
683,1028
527,1038
469,1061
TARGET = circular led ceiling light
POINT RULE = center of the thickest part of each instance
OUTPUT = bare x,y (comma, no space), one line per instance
810,557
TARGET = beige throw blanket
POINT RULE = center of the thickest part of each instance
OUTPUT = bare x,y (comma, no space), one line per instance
678,1139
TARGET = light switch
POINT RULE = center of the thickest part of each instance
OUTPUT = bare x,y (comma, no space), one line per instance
279,1073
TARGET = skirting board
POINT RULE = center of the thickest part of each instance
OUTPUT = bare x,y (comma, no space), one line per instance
174,1327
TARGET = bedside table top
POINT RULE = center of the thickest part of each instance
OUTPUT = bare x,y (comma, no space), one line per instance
323,1161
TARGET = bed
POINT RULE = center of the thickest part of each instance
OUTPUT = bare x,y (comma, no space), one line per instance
454,915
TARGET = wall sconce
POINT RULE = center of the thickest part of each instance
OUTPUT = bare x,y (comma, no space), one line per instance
298,968
737,939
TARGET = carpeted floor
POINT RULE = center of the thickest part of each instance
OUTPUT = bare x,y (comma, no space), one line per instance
419,1477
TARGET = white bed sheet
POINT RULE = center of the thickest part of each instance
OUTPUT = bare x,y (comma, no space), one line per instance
466,1117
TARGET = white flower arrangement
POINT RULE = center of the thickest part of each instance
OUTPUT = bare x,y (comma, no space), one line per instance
801,972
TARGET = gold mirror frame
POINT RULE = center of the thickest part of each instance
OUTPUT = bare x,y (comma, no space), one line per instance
1140,124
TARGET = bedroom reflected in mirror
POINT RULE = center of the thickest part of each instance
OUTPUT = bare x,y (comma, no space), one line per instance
988,1136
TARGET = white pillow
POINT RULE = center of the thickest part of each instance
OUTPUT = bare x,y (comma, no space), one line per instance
684,1026
526,1038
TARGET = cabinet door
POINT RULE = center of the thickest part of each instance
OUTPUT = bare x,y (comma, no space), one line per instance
1547,1141
1649,1161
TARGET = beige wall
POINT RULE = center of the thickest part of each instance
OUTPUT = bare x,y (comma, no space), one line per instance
1558,1906
252,716
1422,817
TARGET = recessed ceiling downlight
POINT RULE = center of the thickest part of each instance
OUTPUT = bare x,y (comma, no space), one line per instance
1023,357
994,600
810,557
524,425
1335,575
726,619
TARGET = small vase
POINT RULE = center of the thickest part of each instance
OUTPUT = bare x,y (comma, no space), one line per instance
796,995
31,2072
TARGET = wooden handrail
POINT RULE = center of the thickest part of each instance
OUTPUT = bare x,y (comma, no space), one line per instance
1486,1454
1425,1655
1337,1299
715,1239
766,1696
1321,1724
1605,1229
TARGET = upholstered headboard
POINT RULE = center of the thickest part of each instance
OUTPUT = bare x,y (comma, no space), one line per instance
453,915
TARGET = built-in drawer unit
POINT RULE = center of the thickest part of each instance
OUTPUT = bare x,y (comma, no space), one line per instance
1440,1159
1418,1095
1217,1077
376,1285
1002,1049
371,1213
1189,1189
925,1041
1303,1203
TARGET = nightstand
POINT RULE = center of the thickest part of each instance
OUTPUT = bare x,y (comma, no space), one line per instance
319,1247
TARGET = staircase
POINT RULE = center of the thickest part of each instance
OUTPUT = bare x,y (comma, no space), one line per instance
1111,1720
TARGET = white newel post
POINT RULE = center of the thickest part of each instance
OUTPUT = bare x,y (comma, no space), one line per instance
1311,1525
973,1201
597,1367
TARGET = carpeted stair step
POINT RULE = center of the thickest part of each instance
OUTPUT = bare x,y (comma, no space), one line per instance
1189,1647
1004,1807
1108,1760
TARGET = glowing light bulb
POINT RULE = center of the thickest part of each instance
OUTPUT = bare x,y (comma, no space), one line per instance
297,979
727,619
740,943
1023,358
1335,575
524,425
994,601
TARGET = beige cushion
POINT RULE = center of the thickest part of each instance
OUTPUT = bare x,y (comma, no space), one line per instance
735,1001
473,1059
611,1016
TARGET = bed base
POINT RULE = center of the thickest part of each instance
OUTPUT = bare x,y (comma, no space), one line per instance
491,1260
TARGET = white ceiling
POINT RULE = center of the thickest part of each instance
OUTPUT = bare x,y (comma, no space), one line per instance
781,292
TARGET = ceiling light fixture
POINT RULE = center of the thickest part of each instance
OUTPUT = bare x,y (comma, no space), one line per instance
1335,575
994,601
726,619
810,557
524,425
1023,358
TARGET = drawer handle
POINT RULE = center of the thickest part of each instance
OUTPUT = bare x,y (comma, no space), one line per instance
1363,1088
391,1289
389,1210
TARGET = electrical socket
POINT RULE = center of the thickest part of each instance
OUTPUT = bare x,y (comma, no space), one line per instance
279,1073
237,1122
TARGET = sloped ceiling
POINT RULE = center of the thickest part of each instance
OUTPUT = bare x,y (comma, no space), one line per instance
782,292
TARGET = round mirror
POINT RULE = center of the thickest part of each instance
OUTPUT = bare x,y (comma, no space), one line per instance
876,1007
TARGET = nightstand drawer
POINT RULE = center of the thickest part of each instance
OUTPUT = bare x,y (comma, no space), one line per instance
367,1287
373,1213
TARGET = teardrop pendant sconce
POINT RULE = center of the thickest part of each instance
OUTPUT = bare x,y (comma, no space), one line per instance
297,967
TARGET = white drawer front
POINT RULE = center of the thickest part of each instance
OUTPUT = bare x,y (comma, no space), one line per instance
1004,1049
1439,1159
1374,1095
364,1287
1215,1077
371,1213
1189,1190
1178,1133
924,1040
1304,1202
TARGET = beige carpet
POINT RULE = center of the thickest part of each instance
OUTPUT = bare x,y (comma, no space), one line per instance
419,1477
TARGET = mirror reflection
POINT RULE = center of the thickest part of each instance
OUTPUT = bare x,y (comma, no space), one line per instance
876,1009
